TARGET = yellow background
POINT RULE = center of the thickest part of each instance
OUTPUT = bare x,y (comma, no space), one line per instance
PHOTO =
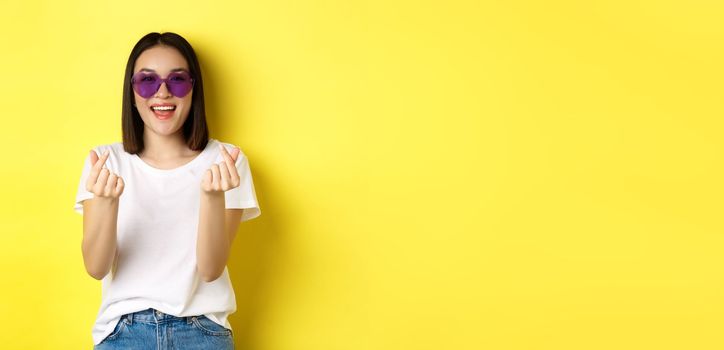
431,174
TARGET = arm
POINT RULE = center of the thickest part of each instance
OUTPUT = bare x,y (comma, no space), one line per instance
217,225
100,218
217,228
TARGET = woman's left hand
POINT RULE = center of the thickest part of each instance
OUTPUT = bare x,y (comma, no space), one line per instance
223,176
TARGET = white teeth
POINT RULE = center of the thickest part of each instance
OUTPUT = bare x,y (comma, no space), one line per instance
163,108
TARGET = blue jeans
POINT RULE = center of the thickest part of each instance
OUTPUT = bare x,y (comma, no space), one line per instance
151,329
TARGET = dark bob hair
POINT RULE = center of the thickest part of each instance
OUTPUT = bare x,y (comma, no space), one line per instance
195,130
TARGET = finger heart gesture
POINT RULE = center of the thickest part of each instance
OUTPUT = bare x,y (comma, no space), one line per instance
223,176
101,181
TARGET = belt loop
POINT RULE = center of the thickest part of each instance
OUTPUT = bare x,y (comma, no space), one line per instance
129,317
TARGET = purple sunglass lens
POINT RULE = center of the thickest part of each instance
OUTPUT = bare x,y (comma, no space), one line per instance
146,84
179,83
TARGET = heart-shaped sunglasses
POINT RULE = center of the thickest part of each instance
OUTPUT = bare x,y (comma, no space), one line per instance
178,83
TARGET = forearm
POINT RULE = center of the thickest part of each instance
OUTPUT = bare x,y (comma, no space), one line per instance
212,245
100,218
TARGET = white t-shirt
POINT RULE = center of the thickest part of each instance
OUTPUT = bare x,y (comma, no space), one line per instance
158,214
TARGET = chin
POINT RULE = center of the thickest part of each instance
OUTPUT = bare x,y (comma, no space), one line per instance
166,132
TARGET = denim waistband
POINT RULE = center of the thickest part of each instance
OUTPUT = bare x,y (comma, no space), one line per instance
154,316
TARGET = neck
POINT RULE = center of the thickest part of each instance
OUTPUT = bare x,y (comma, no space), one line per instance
164,146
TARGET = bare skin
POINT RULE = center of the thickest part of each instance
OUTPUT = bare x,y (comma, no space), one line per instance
217,225
164,148
100,215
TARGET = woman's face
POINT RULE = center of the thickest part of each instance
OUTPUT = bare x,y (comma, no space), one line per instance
162,60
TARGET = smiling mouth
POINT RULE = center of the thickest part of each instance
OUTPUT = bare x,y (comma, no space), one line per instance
163,112
163,108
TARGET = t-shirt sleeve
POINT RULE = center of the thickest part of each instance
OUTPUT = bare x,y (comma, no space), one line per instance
82,193
243,196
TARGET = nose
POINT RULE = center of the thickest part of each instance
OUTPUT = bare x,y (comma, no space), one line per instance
163,91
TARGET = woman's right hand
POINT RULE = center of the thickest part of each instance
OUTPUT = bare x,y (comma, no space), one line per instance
101,181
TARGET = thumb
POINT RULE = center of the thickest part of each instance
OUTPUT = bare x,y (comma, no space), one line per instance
93,157
235,153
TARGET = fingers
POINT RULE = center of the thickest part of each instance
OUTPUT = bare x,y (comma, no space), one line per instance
227,157
102,161
120,185
96,169
110,185
100,185
207,181
215,178
93,158
229,160
101,181
225,177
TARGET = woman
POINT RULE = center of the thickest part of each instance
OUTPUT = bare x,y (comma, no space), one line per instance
160,210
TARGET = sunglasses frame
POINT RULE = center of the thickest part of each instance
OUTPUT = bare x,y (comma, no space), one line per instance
170,87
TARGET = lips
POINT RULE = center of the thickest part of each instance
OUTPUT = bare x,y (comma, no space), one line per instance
163,111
